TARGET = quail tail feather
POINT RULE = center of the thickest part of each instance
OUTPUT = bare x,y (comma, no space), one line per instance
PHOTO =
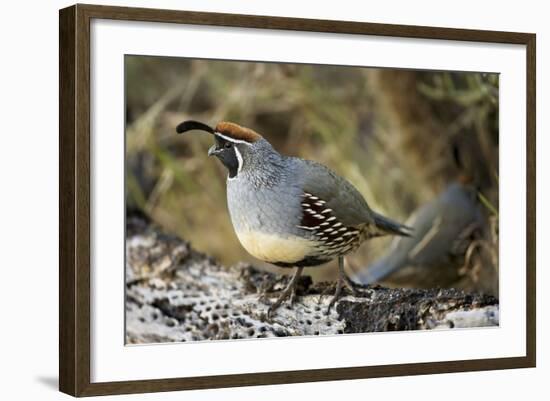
391,227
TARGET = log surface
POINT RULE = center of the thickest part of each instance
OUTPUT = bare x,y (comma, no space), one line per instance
174,293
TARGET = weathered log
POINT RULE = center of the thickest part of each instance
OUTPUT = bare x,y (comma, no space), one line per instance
175,293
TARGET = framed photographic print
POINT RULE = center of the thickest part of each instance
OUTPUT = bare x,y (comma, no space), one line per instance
251,200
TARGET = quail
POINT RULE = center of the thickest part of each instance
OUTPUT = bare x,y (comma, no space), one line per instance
288,211
443,230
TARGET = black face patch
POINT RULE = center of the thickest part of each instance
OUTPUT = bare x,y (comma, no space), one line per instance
225,151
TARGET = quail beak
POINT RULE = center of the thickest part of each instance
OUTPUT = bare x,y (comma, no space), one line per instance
213,151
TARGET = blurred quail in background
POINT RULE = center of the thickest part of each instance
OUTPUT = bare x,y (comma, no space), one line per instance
289,211
443,230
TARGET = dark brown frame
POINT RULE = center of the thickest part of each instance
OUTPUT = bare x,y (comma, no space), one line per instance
74,199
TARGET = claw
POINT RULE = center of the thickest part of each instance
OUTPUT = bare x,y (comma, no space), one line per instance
325,292
262,297
293,296
343,280
289,291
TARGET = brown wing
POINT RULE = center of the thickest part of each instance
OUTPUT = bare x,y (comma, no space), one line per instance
319,219
341,196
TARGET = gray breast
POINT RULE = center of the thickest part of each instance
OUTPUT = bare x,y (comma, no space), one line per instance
270,209
266,218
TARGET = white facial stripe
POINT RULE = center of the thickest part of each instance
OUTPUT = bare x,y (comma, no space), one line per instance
227,138
239,159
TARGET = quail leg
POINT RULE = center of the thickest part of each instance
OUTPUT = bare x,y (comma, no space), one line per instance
343,280
290,290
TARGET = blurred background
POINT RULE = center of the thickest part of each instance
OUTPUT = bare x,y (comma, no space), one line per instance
406,139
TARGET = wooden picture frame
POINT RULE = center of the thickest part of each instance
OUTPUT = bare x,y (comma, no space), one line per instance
75,207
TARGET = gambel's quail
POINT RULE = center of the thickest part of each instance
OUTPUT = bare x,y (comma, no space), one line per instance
289,211
443,229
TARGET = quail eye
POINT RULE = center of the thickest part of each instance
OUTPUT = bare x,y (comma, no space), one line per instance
228,145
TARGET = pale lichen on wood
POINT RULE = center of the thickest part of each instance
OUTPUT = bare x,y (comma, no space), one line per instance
174,293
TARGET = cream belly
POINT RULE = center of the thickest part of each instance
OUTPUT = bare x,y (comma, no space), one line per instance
271,248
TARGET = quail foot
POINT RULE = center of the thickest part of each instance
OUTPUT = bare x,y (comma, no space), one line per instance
288,211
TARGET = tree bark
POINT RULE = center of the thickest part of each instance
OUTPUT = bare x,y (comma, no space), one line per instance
175,293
